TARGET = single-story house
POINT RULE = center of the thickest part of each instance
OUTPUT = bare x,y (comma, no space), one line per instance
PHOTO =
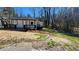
21,23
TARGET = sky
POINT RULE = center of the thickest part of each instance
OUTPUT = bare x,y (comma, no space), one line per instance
25,11
28,10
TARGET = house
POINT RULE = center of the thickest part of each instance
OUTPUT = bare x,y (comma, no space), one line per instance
22,23
10,21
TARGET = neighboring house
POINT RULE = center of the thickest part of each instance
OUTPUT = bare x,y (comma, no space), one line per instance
76,30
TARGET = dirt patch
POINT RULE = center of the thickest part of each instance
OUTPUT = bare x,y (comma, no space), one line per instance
39,45
25,46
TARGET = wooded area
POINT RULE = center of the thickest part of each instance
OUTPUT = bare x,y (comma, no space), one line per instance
63,19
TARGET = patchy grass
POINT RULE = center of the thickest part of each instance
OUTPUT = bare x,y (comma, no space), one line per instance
73,39
71,47
12,37
51,43
47,38
41,37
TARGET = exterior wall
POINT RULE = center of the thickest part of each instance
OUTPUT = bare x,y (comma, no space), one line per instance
14,22
10,22
24,23
27,22
34,22
19,24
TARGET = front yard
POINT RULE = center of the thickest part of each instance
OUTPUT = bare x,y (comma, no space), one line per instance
45,39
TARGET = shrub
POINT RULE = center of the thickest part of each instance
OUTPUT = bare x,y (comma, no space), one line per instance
51,43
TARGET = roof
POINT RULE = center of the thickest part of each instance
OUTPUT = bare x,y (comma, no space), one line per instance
22,18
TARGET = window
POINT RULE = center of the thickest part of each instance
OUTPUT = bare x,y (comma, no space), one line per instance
31,23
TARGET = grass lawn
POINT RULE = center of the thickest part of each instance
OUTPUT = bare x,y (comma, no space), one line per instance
74,40
41,36
46,39
63,35
8,37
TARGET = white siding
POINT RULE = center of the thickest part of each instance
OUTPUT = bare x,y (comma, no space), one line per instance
20,24
15,22
24,22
